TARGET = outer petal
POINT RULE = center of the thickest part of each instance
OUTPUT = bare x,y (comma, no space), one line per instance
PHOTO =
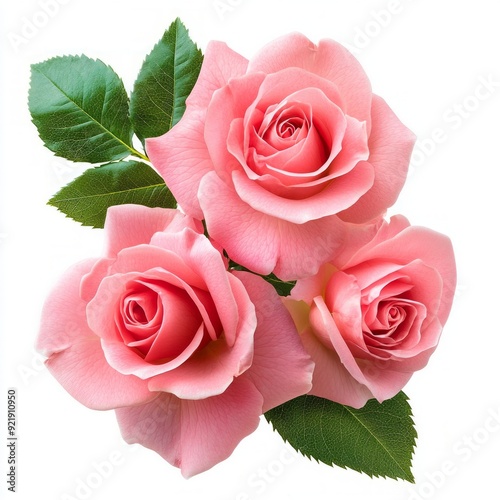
155,425
194,435
343,301
390,145
263,243
131,225
281,369
331,380
63,321
328,59
182,159
357,236
84,372
220,64
308,288
76,358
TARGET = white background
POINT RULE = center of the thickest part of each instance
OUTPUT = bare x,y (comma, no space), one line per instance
429,60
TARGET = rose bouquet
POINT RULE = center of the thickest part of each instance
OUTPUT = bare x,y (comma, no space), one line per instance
248,268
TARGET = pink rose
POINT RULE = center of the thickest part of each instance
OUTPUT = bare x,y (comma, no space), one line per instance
373,317
189,354
277,152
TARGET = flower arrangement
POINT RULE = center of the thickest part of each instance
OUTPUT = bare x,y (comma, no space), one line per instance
248,268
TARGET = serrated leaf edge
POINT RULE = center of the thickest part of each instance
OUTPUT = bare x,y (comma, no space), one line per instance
129,147
410,478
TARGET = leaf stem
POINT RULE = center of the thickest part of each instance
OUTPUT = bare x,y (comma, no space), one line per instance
138,154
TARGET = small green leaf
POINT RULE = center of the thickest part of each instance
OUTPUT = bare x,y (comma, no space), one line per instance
87,198
283,288
377,439
80,108
165,80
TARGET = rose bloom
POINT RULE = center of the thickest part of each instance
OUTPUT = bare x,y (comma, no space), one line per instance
276,153
375,316
189,354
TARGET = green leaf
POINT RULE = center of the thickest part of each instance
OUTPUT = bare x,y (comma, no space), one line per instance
282,287
87,198
377,439
165,80
80,108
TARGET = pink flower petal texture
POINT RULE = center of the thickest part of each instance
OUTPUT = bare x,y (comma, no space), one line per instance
375,316
131,225
331,379
194,435
295,138
281,368
390,145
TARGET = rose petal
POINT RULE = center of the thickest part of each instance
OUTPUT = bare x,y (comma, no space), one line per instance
358,237
127,361
341,192
180,156
306,289
131,225
220,64
343,300
308,157
137,260
281,86
155,425
331,380
84,372
333,145
194,435
281,369
390,144
101,313
180,323
63,320
228,103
